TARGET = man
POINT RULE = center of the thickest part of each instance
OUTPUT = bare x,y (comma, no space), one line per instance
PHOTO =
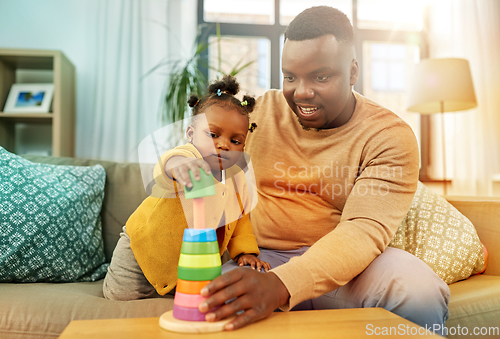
336,174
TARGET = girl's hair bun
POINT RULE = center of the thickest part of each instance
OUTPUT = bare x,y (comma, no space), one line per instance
193,100
250,103
228,85
222,92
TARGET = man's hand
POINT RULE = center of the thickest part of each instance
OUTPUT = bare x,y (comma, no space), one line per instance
253,261
256,294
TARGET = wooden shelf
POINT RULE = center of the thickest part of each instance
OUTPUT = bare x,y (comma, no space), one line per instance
62,118
21,116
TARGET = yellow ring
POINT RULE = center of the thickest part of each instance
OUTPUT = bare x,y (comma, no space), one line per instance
199,260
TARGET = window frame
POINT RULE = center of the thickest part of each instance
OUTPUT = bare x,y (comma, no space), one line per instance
271,32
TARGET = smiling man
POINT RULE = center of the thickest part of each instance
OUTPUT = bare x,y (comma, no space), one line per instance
318,76
336,174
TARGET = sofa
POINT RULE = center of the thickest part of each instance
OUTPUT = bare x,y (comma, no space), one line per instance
43,310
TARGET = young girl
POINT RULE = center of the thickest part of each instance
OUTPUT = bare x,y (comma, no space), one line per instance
144,262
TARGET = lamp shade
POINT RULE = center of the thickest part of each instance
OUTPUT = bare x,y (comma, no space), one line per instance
441,85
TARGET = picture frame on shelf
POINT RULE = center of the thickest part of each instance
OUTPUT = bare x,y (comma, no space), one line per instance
29,98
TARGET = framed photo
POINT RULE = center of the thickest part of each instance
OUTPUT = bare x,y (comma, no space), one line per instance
29,98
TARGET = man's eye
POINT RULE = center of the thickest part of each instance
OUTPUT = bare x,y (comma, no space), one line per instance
323,77
288,78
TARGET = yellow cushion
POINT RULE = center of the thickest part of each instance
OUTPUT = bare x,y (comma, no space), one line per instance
437,233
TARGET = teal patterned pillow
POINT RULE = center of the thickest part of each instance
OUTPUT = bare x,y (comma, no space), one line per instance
50,227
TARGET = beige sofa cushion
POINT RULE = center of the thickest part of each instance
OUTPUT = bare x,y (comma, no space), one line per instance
437,233
475,303
43,310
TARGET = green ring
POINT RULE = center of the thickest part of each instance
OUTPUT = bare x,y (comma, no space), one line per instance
198,274
206,247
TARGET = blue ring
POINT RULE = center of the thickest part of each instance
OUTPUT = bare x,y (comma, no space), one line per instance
203,235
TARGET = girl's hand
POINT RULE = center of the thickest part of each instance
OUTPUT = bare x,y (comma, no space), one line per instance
253,261
178,168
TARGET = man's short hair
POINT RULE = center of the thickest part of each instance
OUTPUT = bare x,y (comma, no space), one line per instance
317,21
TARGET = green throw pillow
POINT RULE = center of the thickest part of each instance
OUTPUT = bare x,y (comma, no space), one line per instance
50,227
441,236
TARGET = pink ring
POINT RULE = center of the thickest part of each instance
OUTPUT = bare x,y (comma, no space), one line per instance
189,314
188,300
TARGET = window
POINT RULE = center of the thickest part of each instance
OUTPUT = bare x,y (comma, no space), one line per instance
260,12
396,15
386,72
385,66
238,51
290,8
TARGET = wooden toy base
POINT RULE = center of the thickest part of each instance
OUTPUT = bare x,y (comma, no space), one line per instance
168,322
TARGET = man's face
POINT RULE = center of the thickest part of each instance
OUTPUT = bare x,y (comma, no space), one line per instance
318,76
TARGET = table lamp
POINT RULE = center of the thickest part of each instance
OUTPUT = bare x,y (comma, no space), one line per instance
441,85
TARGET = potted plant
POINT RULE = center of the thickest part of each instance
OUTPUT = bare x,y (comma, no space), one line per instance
188,76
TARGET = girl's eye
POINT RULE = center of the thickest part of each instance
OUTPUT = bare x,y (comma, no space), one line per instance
212,135
236,142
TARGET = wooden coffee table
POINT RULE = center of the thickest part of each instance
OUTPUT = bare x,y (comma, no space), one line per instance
345,323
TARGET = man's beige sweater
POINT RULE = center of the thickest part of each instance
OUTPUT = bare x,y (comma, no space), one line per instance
343,191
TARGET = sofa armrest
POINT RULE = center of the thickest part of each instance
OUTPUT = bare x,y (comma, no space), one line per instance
484,213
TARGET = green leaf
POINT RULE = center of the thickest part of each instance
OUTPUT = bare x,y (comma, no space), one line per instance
236,70
186,76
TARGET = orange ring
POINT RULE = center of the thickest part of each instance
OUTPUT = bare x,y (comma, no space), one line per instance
190,287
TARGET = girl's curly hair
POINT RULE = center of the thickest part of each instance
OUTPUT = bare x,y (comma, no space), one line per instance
222,92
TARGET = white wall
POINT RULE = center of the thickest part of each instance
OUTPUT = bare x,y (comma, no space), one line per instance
72,27
54,24
57,25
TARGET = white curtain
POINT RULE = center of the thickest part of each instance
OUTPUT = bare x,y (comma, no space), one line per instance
469,29
120,106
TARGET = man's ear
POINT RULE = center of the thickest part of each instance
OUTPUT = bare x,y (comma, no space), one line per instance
354,72
190,132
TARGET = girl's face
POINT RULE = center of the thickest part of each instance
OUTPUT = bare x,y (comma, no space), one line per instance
221,142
